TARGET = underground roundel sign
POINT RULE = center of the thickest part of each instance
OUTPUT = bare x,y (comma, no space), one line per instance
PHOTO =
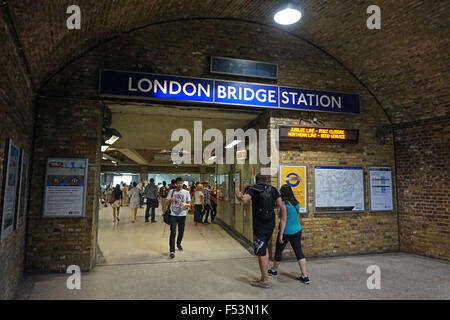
295,177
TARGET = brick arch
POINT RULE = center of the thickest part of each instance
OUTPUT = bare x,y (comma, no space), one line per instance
404,64
106,40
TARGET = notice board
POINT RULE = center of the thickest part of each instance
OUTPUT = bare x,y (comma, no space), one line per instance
338,189
65,187
381,189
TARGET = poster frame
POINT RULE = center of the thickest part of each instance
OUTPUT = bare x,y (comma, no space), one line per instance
44,215
5,233
339,211
22,201
370,188
306,181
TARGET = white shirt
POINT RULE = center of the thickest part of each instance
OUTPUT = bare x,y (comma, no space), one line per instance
176,209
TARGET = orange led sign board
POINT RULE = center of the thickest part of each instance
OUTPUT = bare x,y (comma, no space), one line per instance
298,133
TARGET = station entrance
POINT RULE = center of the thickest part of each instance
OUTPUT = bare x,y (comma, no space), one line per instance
143,152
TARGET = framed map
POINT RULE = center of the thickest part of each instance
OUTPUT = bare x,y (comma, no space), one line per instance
338,189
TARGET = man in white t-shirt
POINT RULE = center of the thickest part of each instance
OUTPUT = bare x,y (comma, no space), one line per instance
179,200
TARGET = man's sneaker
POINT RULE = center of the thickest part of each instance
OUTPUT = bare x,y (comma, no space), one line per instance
272,272
260,284
303,279
180,248
172,255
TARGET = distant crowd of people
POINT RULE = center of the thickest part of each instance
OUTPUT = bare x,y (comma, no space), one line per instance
203,197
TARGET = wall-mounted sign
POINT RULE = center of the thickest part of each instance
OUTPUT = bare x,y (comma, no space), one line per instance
241,154
65,187
242,67
295,177
11,181
23,191
338,189
165,88
381,189
299,133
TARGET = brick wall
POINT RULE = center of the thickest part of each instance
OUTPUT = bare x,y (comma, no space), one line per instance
16,122
65,128
342,233
423,163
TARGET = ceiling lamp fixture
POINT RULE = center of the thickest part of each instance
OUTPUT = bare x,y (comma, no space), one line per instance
287,14
111,135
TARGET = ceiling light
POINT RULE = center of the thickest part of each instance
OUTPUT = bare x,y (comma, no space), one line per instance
111,135
287,14
232,144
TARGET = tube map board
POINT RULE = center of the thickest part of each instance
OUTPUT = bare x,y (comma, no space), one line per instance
338,189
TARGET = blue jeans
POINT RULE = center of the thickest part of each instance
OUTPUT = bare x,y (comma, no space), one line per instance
151,203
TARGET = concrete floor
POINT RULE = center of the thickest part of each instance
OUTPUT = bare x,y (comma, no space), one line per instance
214,266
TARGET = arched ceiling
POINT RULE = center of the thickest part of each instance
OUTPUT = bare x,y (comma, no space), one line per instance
405,64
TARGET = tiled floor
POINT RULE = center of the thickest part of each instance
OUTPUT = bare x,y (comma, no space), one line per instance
131,243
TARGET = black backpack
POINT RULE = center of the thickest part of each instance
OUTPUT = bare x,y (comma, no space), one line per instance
265,202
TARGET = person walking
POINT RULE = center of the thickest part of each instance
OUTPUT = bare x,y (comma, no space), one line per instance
117,197
126,197
151,192
135,197
207,203
213,200
265,198
198,205
178,199
163,192
290,231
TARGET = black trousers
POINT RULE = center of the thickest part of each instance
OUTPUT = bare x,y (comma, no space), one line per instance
295,240
206,211
198,213
213,211
174,221
151,204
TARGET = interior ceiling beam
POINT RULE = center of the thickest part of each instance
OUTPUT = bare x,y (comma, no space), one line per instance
104,155
134,155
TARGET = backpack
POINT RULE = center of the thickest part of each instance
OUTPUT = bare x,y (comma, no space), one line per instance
265,202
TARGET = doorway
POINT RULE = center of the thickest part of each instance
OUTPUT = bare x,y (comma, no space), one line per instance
144,152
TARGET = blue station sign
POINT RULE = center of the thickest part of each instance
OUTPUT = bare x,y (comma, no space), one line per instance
165,88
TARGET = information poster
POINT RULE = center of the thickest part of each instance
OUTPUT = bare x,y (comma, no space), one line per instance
10,190
381,189
338,189
295,176
65,187
23,193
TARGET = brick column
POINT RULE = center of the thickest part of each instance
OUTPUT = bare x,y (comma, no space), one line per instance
64,128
